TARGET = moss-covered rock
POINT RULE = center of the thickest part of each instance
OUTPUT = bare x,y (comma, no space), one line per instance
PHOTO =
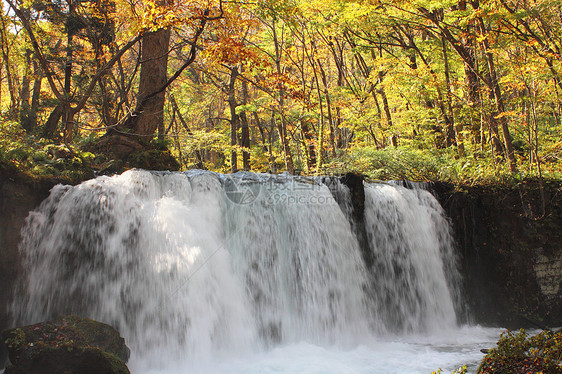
67,359
124,152
68,344
153,159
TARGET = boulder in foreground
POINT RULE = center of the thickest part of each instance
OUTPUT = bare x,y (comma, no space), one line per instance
67,344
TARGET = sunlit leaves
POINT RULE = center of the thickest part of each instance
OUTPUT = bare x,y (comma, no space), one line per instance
362,71
519,353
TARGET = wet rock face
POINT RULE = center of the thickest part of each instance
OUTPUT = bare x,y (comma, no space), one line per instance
355,184
511,252
17,198
68,344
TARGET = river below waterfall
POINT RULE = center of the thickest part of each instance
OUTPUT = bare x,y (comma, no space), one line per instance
416,354
252,273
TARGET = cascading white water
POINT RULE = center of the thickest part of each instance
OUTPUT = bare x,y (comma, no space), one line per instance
202,265
413,270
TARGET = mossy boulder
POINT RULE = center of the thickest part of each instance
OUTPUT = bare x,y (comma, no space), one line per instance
124,152
68,344
153,159
68,360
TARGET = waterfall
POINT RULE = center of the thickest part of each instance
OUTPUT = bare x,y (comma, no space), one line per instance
200,264
413,272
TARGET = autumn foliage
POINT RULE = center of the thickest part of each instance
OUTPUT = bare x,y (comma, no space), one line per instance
520,354
460,91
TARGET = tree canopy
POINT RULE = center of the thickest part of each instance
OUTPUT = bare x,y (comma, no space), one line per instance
451,90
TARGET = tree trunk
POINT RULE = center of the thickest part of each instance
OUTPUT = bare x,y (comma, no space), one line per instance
68,115
457,126
245,130
386,108
149,111
25,94
473,88
36,95
320,159
262,132
500,108
234,119
198,155
6,57
272,164
331,123
282,125
52,122
308,139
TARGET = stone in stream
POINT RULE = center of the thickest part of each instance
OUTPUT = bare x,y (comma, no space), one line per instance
67,344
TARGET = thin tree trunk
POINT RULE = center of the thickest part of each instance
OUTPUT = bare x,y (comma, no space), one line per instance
329,108
261,130
198,155
108,101
308,139
272,165
7,64
320,159
496,90
177,141
25,94
456,126
474,96
386,108
245,130
282,125
36,95
68,114
234,119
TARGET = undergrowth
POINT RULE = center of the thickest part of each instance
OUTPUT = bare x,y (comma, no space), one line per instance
38,157
410,163
518,353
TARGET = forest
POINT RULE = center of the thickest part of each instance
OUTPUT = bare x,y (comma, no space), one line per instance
458,91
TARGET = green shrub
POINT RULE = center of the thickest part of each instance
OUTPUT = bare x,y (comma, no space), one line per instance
516,353
38,157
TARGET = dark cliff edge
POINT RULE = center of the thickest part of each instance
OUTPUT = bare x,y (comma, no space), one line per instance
510,246
19,194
